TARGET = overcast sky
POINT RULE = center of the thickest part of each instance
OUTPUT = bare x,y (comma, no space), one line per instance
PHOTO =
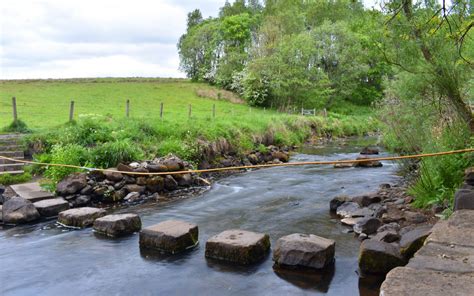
94,38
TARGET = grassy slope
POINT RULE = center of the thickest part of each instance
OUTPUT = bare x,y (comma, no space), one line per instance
100,109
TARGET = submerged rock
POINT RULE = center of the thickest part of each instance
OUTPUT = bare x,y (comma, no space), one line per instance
304,250
369,151
368,163
337,202
238,246
18,210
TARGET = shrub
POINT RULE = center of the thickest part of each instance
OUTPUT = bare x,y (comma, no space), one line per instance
72,154
112,153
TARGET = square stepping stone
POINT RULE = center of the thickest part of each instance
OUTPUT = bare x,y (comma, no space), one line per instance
31,191
118,225
304,251
238,246
80,217
51,207
172,236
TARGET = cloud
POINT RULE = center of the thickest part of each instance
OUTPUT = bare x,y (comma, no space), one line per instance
93,38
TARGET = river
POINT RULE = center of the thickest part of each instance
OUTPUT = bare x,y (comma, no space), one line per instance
44,259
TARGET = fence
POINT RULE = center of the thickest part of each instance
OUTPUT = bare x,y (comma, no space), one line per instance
182,112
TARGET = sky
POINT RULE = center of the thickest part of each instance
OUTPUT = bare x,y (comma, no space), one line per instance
94,38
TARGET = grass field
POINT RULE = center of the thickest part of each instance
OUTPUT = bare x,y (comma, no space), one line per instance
102,136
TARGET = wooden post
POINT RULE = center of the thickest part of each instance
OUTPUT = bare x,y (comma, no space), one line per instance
190,111
302,111
161,111
325,113
15,114
214,111
71,111
314,112
127,109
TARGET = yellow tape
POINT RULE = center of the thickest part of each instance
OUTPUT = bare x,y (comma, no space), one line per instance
248,166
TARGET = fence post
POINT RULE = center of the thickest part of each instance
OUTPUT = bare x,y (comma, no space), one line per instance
127,109
161,111
214,111
71,111
314,112
302,111
15,114
325,113
190,111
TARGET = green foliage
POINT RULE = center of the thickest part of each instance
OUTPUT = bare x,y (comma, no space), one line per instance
71,154
9,179
112,153
17,126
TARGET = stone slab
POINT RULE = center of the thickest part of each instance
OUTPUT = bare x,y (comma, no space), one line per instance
118,225
238,246
31,191
446,258
457,230
406,281
80,217
51,207
304,251
172,236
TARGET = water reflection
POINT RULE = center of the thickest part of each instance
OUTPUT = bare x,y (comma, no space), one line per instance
318,280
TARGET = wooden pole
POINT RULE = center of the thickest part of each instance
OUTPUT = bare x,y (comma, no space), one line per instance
161,111
71,111
214,111
127,109
190,111
302,111
15,114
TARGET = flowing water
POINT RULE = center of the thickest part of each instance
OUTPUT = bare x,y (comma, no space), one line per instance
44,259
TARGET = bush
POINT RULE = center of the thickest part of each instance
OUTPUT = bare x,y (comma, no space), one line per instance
112,153
71,154
17,127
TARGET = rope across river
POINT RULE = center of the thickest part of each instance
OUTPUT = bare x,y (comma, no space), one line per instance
330,162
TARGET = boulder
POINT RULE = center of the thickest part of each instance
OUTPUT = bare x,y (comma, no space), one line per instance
367,199
132,196
337,202
173,164
376,257
368,163
369,151
172,236
367,226
124,168
18,210
469,176
87,190
72,184
343,165
238,246
170,183
157,168
184,180
388,236
347,209
464,199
118,225
351,221
413,240
142,181
135,188
80,217
51,207
281,156
113,176
155,184
253,159
304,250
116,195
414,217
82,200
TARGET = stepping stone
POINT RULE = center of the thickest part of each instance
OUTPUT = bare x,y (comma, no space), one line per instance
80,217
51,207
376,257
118,225
238,246
304,250
172,236
18,210
31,191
